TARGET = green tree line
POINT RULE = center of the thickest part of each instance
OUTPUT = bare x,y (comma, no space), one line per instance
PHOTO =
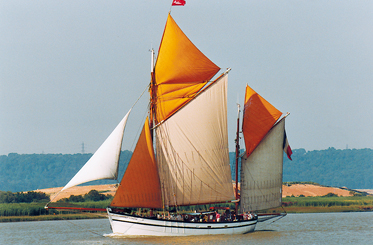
34,197
20,197
352,168
25,172
32,203
92,195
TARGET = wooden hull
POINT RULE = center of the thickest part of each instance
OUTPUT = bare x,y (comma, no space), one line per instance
123,224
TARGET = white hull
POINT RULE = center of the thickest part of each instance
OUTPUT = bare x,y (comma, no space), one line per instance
122,224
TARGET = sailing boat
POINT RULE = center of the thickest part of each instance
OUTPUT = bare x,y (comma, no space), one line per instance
182,158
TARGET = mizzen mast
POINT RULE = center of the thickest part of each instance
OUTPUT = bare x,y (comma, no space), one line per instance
237,153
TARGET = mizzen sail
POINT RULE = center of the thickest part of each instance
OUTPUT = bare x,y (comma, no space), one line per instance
261,172
104,162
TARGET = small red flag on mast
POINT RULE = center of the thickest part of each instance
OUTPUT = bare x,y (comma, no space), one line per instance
178,2
286,147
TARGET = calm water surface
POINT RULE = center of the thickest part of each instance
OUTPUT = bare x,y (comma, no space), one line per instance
330,228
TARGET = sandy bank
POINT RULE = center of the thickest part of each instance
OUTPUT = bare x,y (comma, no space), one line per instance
295,189
78,190
312,190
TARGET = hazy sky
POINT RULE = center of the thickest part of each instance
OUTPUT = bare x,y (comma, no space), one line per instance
70,70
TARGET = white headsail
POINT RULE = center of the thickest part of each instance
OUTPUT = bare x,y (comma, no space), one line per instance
104,163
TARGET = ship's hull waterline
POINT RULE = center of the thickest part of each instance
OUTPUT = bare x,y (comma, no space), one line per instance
122,224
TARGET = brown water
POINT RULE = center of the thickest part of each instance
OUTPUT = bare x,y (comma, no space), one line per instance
329,228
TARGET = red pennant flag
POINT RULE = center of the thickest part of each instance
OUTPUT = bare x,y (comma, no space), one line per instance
286,147
178,2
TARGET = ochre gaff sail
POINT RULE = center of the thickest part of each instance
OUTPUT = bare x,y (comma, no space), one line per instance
140,185
258,118
181,71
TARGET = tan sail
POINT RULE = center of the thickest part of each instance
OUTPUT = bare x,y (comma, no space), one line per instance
140,184
192,151
258,118
261,172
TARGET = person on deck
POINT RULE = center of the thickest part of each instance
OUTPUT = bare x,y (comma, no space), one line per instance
217,216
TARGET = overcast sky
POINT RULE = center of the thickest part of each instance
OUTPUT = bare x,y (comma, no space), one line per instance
70,70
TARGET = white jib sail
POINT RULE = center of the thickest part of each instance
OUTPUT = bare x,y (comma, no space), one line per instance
192,151
261,172
104,163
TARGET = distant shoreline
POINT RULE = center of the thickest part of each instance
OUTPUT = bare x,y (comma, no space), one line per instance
293,202
290,209
5,219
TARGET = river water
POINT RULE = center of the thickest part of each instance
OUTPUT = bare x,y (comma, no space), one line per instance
328,228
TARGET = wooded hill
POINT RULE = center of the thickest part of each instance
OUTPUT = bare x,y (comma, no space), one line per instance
352,168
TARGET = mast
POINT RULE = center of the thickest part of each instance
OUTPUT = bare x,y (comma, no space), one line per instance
152,61
237,152
152,93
